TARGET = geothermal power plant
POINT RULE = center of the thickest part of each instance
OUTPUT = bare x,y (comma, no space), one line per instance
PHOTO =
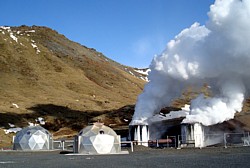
164,131
188,135
98,139
213,57
160,131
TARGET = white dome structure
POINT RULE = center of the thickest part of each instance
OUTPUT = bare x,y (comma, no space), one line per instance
33,138
97,139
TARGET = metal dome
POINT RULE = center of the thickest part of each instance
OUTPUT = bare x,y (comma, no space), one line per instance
98,139
33,138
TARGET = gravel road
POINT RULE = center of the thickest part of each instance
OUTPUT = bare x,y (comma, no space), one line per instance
141,157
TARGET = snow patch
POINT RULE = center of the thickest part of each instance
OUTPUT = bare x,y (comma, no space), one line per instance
30,31
32,124
33,44
143,72
40,120
186,108
126,120
15,105
144,78
12,130
11,125
13,37
5,28
131,73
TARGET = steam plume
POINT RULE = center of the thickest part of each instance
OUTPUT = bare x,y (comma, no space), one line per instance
217,53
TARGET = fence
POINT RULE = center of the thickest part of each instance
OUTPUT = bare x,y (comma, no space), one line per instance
180,141
207,140
199,140
236,139
63,144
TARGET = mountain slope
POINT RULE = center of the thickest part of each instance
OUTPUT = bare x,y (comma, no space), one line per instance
44,66
42,72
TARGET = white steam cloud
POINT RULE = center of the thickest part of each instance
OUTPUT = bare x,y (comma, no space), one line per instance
217,53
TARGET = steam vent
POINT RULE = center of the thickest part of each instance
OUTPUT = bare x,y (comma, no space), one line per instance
139,133
97,139
193,133
33,138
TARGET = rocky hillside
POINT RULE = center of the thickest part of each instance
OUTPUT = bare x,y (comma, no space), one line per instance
44,74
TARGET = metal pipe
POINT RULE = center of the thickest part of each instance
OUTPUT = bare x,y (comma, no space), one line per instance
225,140
132,146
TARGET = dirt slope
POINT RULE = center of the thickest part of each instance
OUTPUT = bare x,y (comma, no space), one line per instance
44,74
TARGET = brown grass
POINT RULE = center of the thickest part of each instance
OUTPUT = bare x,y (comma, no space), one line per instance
66,83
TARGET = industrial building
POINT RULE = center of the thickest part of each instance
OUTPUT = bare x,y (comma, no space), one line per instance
161,130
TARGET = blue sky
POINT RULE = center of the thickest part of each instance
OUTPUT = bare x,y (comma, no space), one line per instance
130,32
